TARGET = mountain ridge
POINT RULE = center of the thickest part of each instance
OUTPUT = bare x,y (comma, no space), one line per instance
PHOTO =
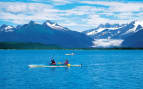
114,31
45,34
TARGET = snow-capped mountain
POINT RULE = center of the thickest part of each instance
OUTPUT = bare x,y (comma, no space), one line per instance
48,33
112,35
115,31
136,26
104,31
100,28
54,26
7,28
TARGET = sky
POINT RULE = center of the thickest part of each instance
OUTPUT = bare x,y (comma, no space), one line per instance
77,15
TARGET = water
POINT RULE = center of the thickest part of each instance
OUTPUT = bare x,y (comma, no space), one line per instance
102,69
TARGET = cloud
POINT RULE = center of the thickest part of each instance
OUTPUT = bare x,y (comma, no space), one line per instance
85,16
79,15
127,15
83,10
127,7
95,20
56,2
27,11
20,13
93,16
114,12
62,2
118,6
68,23
107,43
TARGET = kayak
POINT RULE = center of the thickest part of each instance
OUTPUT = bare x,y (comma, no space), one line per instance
34,66
70,54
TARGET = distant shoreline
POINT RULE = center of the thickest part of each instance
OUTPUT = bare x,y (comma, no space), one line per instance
73,49
39,46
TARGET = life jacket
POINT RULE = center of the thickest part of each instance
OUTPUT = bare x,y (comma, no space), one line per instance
53,62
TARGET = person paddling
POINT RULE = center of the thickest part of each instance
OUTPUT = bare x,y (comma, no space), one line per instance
53,62
66,62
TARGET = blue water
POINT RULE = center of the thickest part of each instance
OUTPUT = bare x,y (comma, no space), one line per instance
102,69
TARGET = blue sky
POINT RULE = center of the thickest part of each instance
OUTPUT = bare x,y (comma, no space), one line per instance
78,15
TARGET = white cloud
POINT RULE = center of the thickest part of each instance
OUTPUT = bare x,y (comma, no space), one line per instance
127,15
79,17
23,7
96,20
127,7
105,3
68,23
17,8
118,6
27,11
56,2
62,2
83,10
113,12
107,43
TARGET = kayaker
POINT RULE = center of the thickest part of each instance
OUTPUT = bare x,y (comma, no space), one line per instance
53,62
66,62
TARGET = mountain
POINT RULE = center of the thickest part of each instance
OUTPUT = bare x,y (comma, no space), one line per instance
112,35
52,25
6,28
115,31
104,31
48,33
134,41
54,35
